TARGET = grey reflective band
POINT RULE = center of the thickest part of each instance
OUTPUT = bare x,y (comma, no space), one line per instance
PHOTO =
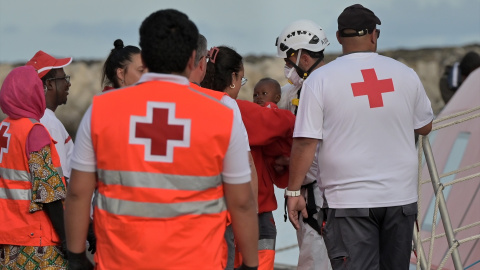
159,180
266,244
159,210
59,171
15,194
11,174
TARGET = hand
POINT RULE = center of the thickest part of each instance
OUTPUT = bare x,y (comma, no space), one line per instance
78,261
92,240
294,205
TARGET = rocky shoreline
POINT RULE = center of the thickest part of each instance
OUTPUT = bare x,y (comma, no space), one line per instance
429,64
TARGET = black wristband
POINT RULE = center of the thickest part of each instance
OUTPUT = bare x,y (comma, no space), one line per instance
72,256
78,261
244,267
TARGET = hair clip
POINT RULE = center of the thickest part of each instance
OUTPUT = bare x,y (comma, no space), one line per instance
212,54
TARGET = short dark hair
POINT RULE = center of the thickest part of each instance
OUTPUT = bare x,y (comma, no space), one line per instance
219,74
167,39
119,57
275,83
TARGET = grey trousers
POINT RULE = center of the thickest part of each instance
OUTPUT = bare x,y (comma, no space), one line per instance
370,238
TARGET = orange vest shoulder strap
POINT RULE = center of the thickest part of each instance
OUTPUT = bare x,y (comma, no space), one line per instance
211,93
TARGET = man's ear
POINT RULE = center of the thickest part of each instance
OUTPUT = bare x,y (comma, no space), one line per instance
338,38
373,37
305,58
48,85
203,65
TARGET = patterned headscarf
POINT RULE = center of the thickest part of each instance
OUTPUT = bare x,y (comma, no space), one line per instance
22,94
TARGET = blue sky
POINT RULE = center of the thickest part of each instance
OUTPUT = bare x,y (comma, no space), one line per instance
86,29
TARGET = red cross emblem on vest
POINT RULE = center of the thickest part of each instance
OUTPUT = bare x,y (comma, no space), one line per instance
372,87
4,139
159,131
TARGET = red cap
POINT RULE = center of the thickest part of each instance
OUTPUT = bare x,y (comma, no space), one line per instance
43,63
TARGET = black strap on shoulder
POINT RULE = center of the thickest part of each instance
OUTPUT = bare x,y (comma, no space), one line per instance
298,96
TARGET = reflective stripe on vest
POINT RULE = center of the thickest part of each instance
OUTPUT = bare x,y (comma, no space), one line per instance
15,194
159,210
158,180
266,244
59,171
17,175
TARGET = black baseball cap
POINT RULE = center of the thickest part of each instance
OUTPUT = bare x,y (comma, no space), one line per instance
359,18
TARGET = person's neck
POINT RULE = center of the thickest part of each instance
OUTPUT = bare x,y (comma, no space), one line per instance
321,63
347,50
52,107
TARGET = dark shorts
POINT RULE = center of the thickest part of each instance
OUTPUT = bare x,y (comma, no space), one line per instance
370,238
267,231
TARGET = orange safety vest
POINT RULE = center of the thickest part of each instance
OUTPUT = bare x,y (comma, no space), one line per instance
19,226
160,148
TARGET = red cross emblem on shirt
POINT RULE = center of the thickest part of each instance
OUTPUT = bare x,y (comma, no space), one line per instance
159,131
4,139
372,87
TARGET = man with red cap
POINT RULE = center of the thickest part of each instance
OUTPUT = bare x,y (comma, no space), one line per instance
56,85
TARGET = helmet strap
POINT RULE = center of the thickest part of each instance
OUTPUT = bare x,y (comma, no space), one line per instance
313,67
299,70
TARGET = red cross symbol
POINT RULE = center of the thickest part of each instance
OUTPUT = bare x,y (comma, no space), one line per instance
159,131
372,87
5,139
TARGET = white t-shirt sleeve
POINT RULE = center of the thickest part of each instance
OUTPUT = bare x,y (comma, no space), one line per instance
68,152
423,113
60,135
309,121
83,156
237,116
236,168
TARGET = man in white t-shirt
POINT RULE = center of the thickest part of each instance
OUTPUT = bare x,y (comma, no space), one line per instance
304,53
361,110
56,84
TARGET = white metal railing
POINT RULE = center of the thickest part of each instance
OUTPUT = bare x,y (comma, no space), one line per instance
440,204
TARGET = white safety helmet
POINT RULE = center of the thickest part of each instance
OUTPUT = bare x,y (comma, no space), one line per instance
302,34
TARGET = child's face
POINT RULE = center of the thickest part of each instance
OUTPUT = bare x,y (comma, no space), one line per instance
265,92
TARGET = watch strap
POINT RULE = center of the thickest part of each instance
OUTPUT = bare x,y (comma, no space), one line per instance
292,193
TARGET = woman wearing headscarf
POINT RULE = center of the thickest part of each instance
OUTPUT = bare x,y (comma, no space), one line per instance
32,187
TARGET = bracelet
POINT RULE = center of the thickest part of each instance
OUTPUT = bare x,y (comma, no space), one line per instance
292,193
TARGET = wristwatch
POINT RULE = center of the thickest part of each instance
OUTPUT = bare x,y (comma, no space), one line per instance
292,193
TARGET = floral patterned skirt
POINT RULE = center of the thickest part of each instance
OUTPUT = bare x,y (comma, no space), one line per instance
31,258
